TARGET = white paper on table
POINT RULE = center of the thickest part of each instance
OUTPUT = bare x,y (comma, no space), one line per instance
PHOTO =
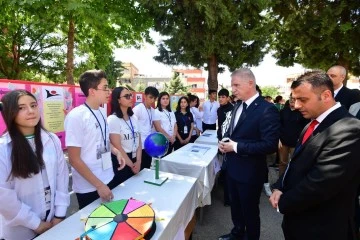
199,149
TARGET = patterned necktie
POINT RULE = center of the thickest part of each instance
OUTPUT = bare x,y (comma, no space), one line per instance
309,131
242,115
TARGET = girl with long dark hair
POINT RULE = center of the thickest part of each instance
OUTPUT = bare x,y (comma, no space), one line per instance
33,173
164,119
124,134
197,116
185,123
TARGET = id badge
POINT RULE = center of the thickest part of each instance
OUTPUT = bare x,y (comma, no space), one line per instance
133,154
47,198
185,130
106,160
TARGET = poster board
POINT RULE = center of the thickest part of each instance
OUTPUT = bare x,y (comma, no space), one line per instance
55,101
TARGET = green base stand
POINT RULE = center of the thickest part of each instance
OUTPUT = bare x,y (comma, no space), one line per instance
156,182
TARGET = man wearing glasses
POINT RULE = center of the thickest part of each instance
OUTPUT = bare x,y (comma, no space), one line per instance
88,144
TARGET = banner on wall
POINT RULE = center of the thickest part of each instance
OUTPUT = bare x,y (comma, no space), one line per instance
55,101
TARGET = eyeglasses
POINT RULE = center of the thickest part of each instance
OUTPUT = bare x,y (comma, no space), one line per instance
127,96
105,89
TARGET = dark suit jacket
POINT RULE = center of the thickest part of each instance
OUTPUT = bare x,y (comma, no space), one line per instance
320,184
256,135
348,97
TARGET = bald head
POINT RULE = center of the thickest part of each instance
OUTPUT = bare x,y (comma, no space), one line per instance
337,75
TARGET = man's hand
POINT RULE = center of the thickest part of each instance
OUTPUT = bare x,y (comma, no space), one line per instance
105,193
172,139
44,226
275,197
121,160
226,147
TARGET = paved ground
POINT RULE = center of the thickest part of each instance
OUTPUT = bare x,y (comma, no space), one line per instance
217,219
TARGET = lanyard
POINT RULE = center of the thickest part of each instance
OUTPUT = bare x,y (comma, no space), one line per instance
102,134
184,119
168,116
131,128
211,106
149,114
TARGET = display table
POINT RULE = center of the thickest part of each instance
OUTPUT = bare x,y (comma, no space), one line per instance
174,204
198,161
208,137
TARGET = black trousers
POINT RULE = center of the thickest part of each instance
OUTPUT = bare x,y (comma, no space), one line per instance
122,175
145,160
244,203
208,126
85,199
193,138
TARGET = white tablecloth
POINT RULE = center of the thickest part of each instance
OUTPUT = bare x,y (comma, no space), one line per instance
194,160
174,204
208,137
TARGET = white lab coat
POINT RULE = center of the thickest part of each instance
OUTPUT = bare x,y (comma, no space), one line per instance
22,204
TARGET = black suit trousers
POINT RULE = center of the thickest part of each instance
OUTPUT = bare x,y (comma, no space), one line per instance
245,213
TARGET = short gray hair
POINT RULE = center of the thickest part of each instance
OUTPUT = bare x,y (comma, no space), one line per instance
244,74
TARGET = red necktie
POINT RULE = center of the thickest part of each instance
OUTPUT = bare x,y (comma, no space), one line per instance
309,131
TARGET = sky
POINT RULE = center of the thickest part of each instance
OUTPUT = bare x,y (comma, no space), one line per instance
267,73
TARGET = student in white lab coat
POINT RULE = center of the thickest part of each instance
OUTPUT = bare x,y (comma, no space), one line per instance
33,173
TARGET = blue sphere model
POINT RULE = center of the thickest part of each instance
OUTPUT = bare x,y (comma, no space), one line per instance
156,145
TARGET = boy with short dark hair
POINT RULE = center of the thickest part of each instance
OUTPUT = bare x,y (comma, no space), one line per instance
144,113
224,112
210,112
88,143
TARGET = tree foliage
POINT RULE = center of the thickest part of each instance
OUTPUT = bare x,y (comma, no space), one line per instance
206,33
176,86
270,91
318,34
56,38
28,41
114,70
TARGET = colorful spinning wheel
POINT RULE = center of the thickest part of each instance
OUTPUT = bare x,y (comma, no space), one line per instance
121,220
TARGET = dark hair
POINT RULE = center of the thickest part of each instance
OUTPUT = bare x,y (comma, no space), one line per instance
212,91
90,79
317,79
152,91
23,159
193,98
159,101
278,99
224,92
178,109
115,105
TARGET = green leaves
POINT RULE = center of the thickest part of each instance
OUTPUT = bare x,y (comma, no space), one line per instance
318,34
208,33
35,35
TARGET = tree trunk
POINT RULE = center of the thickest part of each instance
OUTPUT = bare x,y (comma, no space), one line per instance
213,73
70,53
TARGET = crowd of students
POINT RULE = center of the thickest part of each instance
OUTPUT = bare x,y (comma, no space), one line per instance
105,151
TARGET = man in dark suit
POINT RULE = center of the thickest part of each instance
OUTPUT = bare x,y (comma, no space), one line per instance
253,133
344,95
316,193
